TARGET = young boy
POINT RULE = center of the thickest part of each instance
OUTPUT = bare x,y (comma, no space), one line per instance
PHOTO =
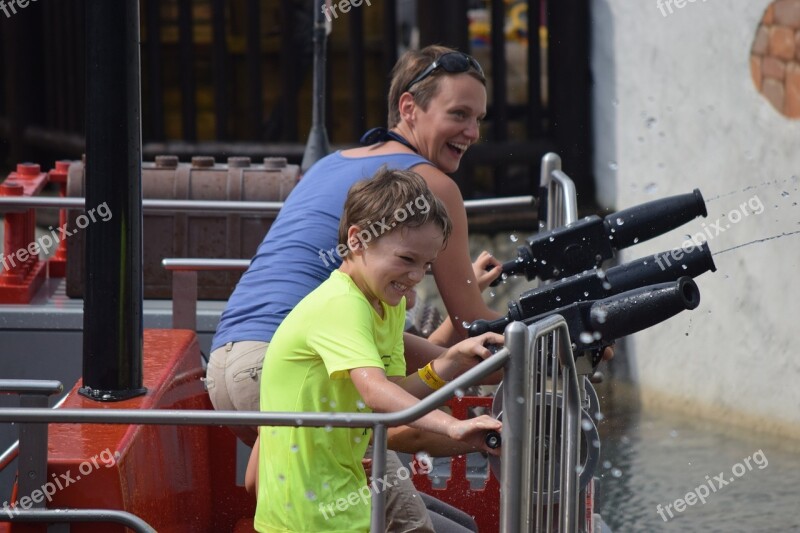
341,349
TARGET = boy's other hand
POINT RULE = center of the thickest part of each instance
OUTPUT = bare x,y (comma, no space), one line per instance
473,432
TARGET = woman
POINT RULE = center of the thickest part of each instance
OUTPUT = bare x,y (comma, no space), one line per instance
436,101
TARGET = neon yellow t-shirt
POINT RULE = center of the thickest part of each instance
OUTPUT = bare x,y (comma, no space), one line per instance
311,479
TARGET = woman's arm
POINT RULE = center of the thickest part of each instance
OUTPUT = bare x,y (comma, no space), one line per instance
452,270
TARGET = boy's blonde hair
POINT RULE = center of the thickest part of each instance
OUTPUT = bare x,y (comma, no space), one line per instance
391,199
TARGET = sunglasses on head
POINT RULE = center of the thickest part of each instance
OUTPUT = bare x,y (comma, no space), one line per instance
452,62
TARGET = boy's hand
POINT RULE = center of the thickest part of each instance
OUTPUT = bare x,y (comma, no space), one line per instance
486,269
473,432
466,354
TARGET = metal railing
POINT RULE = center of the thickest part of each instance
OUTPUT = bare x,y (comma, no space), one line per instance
513,357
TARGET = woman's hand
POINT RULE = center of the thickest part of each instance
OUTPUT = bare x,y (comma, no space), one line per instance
466,354
486,269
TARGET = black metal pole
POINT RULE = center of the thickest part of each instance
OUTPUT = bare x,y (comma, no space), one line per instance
317,145
112,314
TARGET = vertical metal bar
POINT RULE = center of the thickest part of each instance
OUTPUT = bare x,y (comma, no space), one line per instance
112,318
357,62
79,46
184,299
253,58
550,162
219,59
535,111
32,459
50,80
156,95
289,70
543,447
553,436
379,443
317,145
511,495
499,87
186,47
568,521
389,48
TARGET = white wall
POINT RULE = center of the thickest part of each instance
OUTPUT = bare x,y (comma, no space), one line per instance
675,109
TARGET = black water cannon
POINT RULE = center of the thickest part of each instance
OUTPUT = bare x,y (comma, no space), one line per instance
586,243
595,324
596,283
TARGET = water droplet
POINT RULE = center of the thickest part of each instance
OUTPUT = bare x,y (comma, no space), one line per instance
610,237
520,399
596,443
586,337
613,230
465,324
586,294
513,238
544,262
332,404
606,285
310,495
469,282
281,477
558,298
650,122
784,194
651,188
684,267
599,416
295,448
612,165
606,464
597,336
326,486
356,439
324,399
491,294
615,102
600,273
328,428
635,240
360,404
673,433
620,221
586,425
600,315
298,422
551,239
459,393
616,472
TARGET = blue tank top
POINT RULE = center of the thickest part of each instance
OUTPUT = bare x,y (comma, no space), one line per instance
298,252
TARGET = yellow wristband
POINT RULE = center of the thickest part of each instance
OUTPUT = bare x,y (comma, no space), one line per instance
430,377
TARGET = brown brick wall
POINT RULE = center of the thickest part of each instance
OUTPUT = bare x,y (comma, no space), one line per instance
775,57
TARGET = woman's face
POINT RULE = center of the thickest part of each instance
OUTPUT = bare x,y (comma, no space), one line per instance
444,131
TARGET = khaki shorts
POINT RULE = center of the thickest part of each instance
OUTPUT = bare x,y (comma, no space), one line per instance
233,380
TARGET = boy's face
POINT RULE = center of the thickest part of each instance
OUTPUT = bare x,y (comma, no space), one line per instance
388,268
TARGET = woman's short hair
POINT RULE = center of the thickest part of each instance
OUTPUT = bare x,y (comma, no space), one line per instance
391,199
408,67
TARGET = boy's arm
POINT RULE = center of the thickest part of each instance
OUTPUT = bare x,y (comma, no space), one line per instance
383,396
450,362
406,439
